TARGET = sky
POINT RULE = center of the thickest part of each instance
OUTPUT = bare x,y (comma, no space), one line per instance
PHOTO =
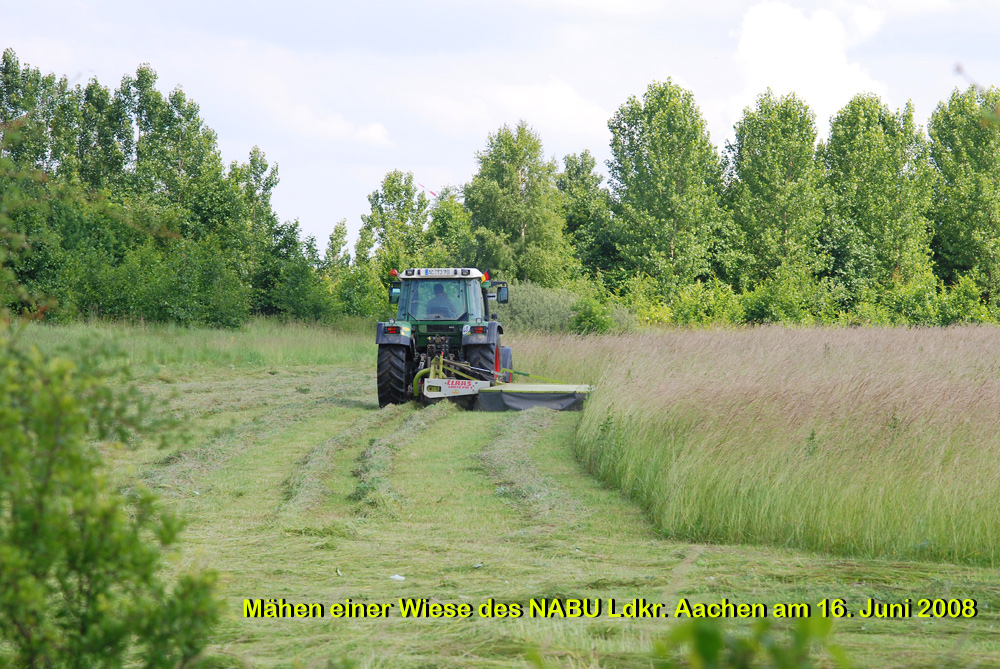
338,94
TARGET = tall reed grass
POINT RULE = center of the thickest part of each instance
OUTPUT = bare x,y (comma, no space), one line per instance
865,442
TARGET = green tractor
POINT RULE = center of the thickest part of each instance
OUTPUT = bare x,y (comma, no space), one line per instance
443,342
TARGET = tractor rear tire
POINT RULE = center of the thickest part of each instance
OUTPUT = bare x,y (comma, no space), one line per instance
483,357
392,374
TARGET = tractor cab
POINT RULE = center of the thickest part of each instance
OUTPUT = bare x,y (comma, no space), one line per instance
442,299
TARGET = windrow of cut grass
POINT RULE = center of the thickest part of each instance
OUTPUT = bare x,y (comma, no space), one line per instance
863,442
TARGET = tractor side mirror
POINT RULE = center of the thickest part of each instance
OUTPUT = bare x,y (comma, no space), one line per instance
394,290
502,294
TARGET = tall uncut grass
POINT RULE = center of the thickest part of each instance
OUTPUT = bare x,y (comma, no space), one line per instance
260,342
865,442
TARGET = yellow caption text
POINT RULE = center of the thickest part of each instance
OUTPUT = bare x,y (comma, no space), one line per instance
638,607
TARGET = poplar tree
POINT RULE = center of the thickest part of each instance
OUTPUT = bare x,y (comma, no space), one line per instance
517,209
665,180
588,212
965,147
877,168
773,187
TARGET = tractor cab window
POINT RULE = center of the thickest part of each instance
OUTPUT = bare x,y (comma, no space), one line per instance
476,309
434,300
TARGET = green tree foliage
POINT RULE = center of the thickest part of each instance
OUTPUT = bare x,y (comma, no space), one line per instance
665,177
965,148
125,210
588,212
451,240
591,316
707,644
517,209
136,216
81,581
397,221
105,141
254,182
773,187
336,265
877,169
393,235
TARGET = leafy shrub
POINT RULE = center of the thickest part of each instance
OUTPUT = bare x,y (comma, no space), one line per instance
792,295
922,301
360,292
187,283
913,302
533,307
80,567
591,316
642,296
712,302
962,303
300,293
625,320
706,643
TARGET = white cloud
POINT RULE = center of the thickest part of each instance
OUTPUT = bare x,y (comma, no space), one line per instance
552,103
915,7
307,122
612,7
784,49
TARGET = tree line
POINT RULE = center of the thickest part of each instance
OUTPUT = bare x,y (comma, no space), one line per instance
128,211
879,222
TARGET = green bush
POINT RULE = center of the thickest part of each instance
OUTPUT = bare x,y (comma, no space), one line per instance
360,292
792,295
533,307
706,643
80,566
921,301
187,283
913,302
711,302
962,303
590,316
624,320
300,292
643,297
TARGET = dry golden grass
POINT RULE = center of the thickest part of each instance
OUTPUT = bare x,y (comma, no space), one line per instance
871,442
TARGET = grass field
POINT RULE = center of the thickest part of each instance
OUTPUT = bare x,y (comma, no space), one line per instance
771,466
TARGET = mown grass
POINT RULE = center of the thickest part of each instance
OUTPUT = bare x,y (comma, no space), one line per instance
861,442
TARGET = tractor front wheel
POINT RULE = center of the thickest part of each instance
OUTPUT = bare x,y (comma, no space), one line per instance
392,374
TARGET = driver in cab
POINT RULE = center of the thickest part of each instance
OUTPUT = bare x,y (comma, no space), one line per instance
441,304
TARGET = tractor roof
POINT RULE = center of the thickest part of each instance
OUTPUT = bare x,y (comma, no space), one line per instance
441,273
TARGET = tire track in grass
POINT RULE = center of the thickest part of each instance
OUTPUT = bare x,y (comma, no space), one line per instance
176,473
374,468
506,463
306,488
679,579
